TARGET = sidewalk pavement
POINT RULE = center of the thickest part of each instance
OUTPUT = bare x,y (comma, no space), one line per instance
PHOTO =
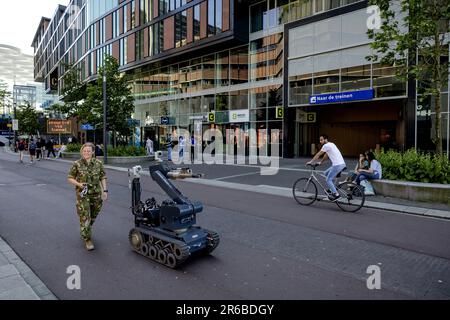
17,280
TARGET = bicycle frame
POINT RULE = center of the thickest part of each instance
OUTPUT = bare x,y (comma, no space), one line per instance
313,176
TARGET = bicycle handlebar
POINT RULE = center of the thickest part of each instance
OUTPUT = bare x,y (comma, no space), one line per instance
314,165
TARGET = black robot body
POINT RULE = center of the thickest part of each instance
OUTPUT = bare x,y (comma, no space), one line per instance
167,233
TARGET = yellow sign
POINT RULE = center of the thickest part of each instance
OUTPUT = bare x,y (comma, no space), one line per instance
9,125
211,117
306,117
280,113
311,117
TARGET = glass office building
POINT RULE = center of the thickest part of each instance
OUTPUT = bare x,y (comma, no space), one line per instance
271,62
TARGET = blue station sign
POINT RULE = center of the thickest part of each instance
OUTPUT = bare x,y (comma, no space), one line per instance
87,127
341,96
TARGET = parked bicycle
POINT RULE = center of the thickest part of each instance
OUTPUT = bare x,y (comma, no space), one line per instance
351,195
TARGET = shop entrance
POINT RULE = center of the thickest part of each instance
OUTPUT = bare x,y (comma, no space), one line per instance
353,127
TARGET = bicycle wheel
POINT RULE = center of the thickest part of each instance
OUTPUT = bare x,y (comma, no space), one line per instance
304,191
351,196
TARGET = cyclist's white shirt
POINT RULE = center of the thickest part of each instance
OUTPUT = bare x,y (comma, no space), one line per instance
333,153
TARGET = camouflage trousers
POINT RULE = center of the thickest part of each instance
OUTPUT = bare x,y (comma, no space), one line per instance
88,209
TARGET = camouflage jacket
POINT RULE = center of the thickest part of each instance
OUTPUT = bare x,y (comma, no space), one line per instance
91,173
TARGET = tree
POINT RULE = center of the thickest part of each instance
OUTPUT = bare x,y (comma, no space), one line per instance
4,96
120,102
28,120
410,29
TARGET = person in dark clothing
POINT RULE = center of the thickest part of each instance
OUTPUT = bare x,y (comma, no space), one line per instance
50,148
39,149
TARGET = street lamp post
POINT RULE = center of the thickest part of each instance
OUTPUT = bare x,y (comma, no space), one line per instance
15,131
105,132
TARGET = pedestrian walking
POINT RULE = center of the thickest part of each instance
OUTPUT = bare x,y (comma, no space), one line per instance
21,148
50,148
32,150
169,147
39,149
89,178
193,145
181,145
149,146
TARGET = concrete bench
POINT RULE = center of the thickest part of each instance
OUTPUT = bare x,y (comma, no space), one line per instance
414,191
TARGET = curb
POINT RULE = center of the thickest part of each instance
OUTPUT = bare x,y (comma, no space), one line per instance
20,282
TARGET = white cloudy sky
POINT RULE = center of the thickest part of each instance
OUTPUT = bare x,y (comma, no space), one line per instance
19,20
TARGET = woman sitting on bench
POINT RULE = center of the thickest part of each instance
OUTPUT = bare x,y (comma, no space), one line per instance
374,172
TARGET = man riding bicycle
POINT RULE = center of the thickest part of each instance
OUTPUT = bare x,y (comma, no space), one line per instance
329,150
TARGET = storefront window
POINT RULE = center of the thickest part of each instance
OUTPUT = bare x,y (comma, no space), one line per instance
385,82
238,100
184,106
355,78
222,102
258,98
196,105
208,103
275,96
327,81
300,88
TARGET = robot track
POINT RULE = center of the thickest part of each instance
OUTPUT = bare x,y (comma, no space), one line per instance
164,250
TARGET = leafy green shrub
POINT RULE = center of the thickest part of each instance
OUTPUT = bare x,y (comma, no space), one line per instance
415,166
126,151
73,147
119,151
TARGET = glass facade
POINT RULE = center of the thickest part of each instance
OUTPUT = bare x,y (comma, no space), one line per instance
271,13
324,56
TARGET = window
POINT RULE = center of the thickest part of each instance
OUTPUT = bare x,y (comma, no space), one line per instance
197,22
123,51
180,29
222,69
239,65
218,16
139,45
258,16
125,18
133,14
211,18
143,15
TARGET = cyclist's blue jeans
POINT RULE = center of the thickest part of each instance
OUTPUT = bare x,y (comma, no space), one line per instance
366,176
331,173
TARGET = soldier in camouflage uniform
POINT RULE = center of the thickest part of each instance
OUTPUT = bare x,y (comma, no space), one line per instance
89,179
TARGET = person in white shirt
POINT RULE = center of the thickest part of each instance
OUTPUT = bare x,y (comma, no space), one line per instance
329,150
149,146
181,145
374,172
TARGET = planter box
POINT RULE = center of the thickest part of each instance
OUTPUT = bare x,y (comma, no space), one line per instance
415,191
111,160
